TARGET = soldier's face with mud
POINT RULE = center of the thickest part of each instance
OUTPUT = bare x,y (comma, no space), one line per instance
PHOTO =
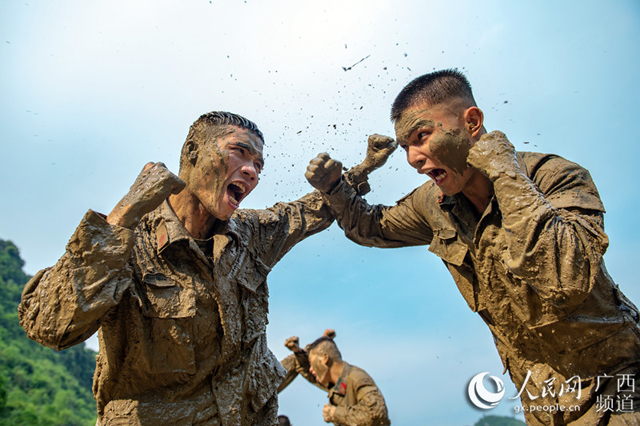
319,368
437,144
226,170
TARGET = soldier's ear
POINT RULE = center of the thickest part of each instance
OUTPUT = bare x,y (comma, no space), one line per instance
474,121
326,360
192,151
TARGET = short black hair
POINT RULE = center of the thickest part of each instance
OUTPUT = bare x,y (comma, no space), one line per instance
325,345
213,125
224,118
433,88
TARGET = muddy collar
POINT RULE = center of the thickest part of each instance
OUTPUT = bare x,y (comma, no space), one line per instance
340,387
168,227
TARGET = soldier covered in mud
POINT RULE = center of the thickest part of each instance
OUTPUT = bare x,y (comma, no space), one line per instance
354,398
523,236
174,281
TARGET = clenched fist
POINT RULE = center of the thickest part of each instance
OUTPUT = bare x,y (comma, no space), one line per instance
494,156
328,412
293,343
323,172
152,186
379,148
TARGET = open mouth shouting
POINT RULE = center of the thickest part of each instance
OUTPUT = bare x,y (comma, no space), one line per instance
236,191
438,175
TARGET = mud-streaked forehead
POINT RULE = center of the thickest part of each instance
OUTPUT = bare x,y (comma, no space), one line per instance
245,138
411,121
425,115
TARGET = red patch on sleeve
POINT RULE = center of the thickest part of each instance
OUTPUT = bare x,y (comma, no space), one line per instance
163,238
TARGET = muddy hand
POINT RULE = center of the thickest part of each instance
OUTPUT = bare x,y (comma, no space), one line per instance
330,333
323,172
293,343
379,148
328,412
494,156
152,186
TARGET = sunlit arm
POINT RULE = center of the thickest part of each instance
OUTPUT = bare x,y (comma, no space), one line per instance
63,305
377,225
279,228
298,364
553,246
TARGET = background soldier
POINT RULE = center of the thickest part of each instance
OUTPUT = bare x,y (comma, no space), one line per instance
354,398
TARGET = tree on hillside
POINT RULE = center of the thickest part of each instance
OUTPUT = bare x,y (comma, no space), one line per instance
499,421
38,386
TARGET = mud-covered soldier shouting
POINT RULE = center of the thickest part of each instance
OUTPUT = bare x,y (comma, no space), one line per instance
354,398
523,236
174,280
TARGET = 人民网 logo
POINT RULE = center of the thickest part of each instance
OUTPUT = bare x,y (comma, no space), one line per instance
480,396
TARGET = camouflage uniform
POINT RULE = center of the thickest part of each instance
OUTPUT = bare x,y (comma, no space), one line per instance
358,399
531,266
181,322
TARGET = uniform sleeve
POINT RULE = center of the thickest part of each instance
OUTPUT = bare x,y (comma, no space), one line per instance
274,231
297,363
289,364
555,229
370,410
381,226
63,305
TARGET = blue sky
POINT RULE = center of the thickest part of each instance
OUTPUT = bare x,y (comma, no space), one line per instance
92,90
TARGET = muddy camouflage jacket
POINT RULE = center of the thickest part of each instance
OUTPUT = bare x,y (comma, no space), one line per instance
531,265
358,399
181,322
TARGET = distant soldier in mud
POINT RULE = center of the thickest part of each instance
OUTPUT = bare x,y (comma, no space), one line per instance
354,398
174,281
523,236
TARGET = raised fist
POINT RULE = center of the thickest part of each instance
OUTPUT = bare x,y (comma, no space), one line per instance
152,186
494,156
379,148
293,343
323,172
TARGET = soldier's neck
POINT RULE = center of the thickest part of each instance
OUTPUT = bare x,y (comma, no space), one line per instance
479,191
335,371
196,220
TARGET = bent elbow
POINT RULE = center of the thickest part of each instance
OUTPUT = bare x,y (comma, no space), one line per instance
567,298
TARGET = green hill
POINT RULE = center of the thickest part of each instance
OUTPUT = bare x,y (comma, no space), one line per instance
499,421
38,386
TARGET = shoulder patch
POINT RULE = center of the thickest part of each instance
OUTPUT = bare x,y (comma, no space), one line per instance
162,236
